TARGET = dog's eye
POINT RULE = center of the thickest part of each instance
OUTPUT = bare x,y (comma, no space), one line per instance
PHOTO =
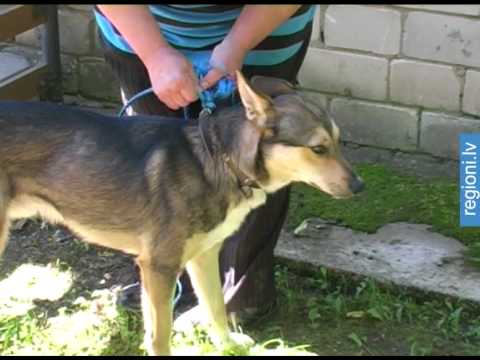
320,149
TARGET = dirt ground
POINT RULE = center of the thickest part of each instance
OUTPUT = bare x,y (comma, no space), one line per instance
93,267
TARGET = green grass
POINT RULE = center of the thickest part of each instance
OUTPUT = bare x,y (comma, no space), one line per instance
389,197
318,312
33,323
338,315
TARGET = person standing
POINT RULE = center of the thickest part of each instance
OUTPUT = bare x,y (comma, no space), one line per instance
154,46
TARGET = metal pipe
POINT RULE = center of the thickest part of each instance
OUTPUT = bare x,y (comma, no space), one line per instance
51,51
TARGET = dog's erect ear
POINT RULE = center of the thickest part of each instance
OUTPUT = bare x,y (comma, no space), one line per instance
258,106
272,86
260,114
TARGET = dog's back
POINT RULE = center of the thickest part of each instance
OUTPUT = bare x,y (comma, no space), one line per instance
81,165
53,125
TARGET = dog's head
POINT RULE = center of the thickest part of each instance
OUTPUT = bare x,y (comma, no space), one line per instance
290,139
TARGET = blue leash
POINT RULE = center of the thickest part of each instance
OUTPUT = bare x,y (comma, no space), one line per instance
206,97
179,292
142,94
223,89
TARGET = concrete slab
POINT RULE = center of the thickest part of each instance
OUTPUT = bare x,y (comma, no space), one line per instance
405,254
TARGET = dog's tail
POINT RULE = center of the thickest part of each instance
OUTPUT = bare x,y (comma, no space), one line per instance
4,222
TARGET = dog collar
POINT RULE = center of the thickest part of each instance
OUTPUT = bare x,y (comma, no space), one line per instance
245,183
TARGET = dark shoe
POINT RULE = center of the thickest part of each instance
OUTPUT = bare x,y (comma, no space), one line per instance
187,301
248,316
130,297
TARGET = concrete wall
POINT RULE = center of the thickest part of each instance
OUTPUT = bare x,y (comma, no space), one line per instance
397,77
402,77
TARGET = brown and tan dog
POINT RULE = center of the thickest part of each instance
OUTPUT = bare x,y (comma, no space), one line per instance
168,192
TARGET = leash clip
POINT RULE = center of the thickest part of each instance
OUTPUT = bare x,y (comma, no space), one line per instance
205,112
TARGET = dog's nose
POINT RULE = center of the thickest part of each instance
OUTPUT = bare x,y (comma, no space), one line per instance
356,184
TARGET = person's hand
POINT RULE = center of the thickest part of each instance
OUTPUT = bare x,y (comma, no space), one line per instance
225,60
173,78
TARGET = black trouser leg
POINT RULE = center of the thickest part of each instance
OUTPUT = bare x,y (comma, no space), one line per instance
246,260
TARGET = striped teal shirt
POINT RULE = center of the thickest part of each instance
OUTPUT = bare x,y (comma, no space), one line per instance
201,27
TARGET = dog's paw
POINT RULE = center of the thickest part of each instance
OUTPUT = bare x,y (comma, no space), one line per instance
237,344
241,339
187,321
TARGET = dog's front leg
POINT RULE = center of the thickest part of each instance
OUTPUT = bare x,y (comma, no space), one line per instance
157,293
4,222
204,274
